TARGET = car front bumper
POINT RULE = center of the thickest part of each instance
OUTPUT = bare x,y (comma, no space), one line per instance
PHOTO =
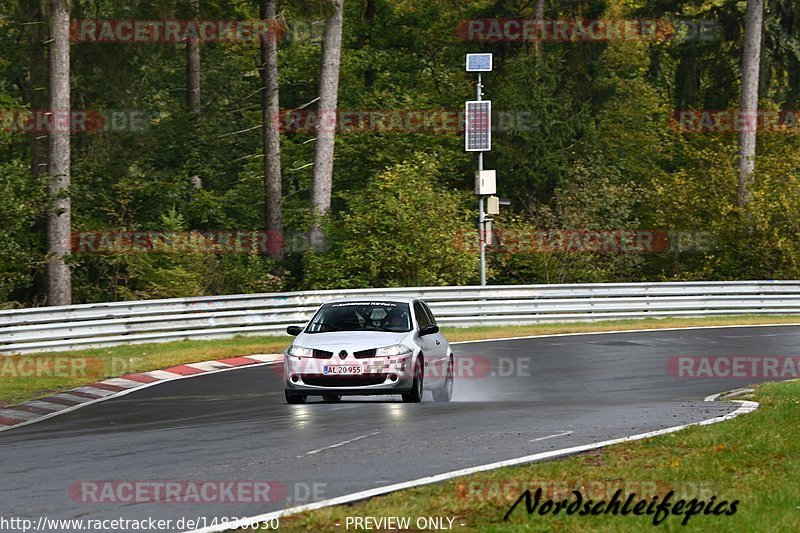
380,375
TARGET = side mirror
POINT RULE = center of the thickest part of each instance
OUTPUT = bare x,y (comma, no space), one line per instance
429,330
294,331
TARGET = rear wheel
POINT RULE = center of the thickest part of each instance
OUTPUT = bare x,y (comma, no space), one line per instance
294,397
415,394
331,398
445,392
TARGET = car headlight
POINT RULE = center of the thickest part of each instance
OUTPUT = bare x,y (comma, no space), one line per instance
299,351
393,350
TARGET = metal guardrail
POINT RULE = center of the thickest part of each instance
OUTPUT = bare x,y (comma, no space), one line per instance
107,324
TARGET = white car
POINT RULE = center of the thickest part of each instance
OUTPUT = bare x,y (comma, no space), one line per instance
363,346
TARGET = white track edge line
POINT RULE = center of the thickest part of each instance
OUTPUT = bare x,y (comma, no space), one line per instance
745,407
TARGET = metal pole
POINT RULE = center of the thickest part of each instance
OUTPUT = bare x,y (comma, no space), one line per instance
481,214
481,227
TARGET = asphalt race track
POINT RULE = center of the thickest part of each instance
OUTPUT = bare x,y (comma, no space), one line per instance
236,426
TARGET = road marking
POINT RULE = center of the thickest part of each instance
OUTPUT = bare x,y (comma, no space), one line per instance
47,405
266,357
70,397
94,391
339,445
121,382
162,375
207,366
19,415
552,436
745,407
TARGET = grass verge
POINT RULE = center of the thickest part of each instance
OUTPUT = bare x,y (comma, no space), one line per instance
754,458
32,376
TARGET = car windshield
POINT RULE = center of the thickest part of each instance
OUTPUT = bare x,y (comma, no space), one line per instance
361,316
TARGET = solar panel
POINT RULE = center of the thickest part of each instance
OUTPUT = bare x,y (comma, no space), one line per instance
479,62
479,126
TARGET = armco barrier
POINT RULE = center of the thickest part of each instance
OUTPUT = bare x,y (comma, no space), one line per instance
95,325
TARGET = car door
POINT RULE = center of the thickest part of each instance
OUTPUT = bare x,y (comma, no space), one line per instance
432,347
441,346
428,345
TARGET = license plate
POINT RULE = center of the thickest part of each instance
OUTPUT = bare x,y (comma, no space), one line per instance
341,369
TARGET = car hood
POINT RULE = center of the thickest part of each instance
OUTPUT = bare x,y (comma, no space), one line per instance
349,340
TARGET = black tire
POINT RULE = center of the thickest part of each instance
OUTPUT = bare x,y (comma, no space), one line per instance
415,394
331,398
294,397
445,392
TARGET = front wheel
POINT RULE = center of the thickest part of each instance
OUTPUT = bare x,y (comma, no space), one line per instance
294,397
445,392
415,394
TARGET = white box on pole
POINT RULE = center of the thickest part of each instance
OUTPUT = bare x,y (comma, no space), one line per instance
486,182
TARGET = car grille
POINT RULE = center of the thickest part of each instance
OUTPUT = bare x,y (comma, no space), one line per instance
322,354
320,380
364,354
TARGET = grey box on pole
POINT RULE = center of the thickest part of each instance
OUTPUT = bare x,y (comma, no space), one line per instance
493,205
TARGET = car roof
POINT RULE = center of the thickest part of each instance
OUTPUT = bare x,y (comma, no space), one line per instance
376,298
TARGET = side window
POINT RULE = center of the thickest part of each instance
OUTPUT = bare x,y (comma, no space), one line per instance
422,317
430,315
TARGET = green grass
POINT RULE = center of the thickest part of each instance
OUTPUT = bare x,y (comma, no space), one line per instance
754,458
88,366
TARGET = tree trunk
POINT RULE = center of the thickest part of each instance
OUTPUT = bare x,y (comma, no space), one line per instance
37,81
270,110
326,120
369,18
37,97
193,102
754,19
193,64
59,281
763,67
538,13
793,79
687,79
